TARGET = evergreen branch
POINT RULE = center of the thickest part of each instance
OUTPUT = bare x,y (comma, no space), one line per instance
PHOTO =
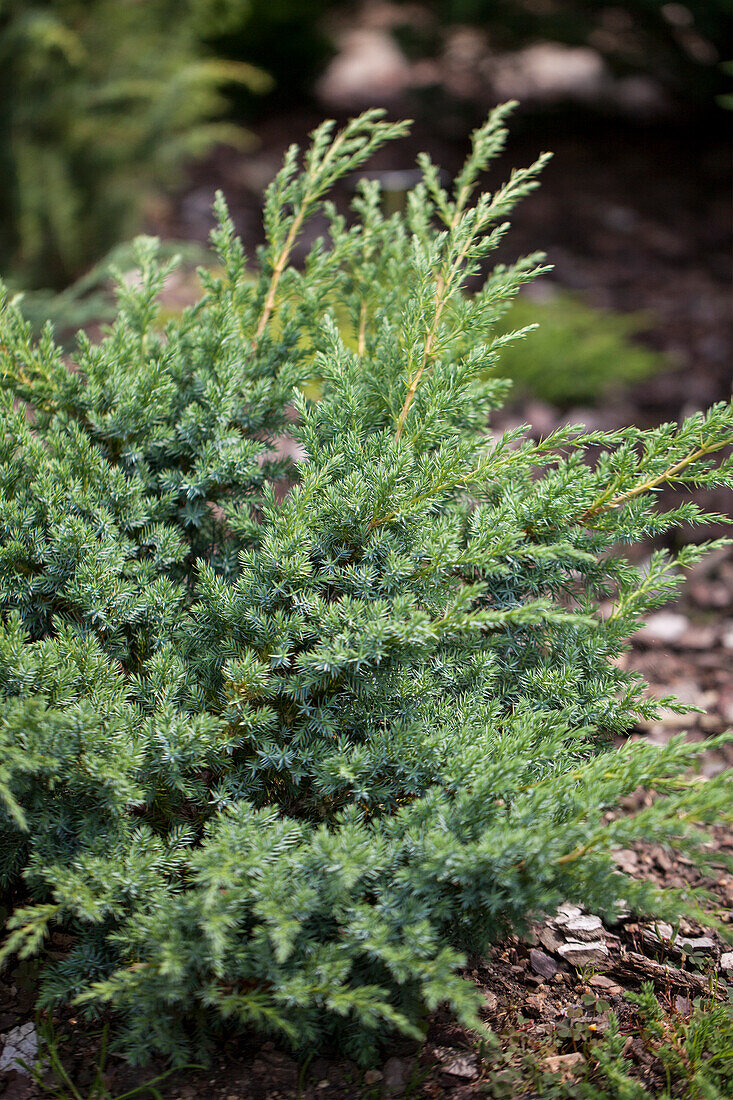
361,335
441,292
326,161
667,476
280,266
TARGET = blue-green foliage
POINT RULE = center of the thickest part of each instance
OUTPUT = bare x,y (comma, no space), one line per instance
283,739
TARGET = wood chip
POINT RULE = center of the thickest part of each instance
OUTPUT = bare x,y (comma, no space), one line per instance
564,1063
631,966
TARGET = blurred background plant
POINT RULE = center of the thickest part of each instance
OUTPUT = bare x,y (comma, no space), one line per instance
290,38
577,354
102,101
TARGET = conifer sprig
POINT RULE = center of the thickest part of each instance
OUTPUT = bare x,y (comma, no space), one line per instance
294,196
465,241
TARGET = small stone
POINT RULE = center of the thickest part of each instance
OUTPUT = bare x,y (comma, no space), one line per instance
583,927
608,985
698,637
541,963
549,72
465,1066
323,1084
726,960
579,953
703,944
535,1004
20,1045
396,1075
565,913
541,417
564,1063
658,937
491,1001
369,64
627,860
372,1077
664,628
727,638
549,938
711,594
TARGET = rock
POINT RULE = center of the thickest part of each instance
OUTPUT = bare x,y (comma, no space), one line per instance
622,913
372,1077
727,638
583,928
535,1005
396,1074
566,913
659,934
725,703
564,1063
699,944
726,961
19,1045
627,860
580,953
549,71
370,68
698,637
541,963
608,985
640,96
491,1001
465,1065
711,594
541,417
660,938
665,864
664,628
549,938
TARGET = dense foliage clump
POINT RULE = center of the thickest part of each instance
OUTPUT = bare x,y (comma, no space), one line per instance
303,701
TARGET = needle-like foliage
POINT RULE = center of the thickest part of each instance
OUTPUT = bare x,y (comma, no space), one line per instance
284,738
